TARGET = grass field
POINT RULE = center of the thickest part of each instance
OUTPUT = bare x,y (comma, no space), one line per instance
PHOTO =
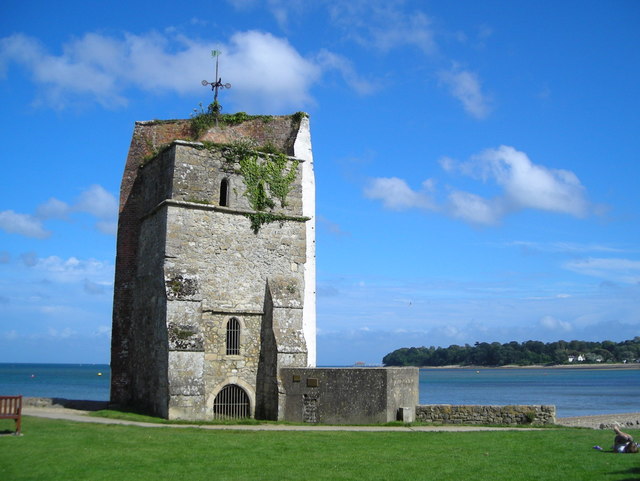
64,450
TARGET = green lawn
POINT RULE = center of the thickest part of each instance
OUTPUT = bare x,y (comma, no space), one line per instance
64,450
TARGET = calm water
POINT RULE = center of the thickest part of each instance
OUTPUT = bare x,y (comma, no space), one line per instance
575,392
68,381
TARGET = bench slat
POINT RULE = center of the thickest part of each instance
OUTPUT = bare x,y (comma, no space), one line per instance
11,408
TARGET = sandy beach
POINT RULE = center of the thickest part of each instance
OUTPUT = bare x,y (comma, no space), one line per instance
602,421
539,366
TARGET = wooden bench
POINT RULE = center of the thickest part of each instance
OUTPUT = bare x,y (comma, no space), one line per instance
11,408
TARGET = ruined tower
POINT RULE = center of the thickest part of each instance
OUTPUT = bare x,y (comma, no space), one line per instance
215,266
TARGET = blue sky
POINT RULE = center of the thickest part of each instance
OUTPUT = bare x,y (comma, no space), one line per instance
476,162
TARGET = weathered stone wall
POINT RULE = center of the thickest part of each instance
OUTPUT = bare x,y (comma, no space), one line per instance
226,264
199,172
266,382
278,131
286,299
476,414
347,395
148,344
186,264
227,276
147,138
201,264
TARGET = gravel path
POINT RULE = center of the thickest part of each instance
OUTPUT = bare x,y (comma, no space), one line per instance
77,411
628,421
81,416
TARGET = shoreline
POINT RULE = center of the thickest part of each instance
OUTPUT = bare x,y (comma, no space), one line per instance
541,366
602,421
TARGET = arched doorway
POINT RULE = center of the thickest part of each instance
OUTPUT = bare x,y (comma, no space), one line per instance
232,402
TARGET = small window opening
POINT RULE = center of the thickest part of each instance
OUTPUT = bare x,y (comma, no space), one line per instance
224,193
233,337
232,402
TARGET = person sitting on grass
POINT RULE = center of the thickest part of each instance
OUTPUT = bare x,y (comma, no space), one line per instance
623,442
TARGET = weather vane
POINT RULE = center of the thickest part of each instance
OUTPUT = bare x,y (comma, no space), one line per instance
217,84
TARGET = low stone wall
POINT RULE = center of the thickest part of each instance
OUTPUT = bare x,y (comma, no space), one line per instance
48,402
347,395
471,414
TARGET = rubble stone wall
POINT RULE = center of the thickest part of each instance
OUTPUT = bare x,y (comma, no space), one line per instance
347,395
193,252
477,414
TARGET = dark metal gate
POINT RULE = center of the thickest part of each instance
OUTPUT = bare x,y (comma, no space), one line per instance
231,403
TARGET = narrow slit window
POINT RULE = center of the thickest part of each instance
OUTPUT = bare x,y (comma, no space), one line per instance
224,193
233,337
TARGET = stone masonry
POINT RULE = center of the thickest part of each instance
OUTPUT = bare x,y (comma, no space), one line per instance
478,414
190,263
348,395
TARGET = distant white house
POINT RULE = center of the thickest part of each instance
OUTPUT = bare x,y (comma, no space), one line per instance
578,358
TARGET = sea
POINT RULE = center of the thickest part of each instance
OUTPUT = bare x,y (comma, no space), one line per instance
574,392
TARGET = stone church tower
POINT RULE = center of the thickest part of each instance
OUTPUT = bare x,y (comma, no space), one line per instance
215,267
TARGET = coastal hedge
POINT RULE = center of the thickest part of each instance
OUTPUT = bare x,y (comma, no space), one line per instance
520,354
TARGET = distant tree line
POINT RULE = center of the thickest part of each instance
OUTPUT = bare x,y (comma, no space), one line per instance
521,354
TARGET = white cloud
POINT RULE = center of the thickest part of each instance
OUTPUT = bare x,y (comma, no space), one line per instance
52,209
91,287
395,194
376,24
103,331
79,69
553,324
283,10
265,71
565,247
528,185
242,4
383,25
95,201
465,86
332,61
618,270
107,227
525,185
397,29
448,164
268,71
98,202
101,204
331,227
61,334
484,32
22,224
474,209
73,269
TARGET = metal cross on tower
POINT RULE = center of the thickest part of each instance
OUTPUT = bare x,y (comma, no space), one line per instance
217,84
